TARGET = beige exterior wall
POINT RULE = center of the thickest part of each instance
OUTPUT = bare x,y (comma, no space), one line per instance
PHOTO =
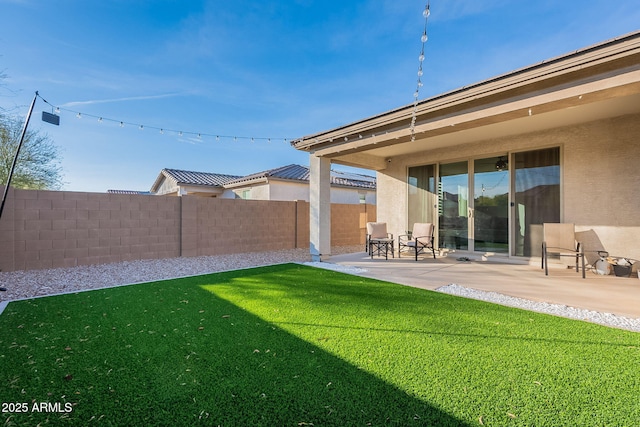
352,195
282,190
600,166
51,229
293,190
259,191
167,187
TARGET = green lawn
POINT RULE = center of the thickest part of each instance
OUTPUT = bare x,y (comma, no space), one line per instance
290,345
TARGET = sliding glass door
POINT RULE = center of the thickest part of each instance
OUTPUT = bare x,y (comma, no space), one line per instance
491,205
453,207
536,198
513,195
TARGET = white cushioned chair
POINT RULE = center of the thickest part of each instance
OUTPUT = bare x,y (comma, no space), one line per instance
420,240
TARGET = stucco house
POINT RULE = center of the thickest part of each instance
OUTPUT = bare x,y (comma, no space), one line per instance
177,182
290,182
489,163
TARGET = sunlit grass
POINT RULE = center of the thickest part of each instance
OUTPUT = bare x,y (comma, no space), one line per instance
293,345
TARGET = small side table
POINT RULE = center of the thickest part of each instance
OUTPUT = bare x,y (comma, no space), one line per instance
377,246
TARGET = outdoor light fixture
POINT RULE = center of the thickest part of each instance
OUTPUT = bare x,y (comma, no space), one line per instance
501,164
51,118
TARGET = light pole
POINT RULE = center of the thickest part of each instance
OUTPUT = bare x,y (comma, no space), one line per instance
53,119
15,158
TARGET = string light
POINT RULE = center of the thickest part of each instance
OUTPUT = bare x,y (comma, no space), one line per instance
162,131
426,12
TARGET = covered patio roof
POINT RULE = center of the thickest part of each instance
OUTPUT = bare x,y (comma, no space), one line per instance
593,83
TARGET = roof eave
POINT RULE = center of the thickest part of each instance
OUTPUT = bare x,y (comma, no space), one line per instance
386,126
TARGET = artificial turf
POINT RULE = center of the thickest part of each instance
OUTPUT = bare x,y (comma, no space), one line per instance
291,345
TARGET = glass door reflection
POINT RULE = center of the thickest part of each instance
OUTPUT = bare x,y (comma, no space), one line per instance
491,205
453,206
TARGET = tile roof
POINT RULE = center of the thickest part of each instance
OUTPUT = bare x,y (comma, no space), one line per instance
353,180
198,178
128,192
301,173
293,172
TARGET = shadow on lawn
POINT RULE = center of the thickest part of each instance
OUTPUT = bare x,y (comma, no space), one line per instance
172,353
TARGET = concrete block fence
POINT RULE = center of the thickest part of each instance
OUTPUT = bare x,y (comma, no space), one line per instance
51,229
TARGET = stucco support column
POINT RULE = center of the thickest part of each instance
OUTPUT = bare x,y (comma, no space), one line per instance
319,207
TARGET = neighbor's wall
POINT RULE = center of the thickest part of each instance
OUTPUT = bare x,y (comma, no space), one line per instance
232,226
45,229
50,229
349,222
600,178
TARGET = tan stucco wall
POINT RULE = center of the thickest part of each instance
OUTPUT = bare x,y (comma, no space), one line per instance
352,195
295,190
167,187
600,178
282,190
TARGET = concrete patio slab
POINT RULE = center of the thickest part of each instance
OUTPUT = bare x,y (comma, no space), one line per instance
607,294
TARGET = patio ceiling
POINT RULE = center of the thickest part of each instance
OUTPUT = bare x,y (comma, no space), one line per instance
598,82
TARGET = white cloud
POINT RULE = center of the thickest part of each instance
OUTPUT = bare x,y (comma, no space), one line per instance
126,99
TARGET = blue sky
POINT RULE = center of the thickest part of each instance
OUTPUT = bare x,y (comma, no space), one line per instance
261,69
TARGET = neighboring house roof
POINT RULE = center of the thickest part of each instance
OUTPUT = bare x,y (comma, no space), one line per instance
198,178
353,179
292,172
285,173
301,173
182,177
128,192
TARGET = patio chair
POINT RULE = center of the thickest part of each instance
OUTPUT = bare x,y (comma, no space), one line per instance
419,241
377,233
560,239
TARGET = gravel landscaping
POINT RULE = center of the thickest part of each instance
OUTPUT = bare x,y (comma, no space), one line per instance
607,319
34,283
